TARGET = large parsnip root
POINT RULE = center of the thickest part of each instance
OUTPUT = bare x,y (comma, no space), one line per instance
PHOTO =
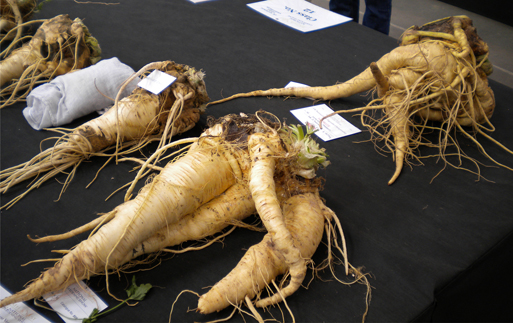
438,73
180,189
132,123
216,183
229,208
59,46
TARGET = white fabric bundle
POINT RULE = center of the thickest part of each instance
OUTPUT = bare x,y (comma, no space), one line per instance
73,95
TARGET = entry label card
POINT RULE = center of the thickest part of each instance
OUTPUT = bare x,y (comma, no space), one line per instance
299,14
18,312
76,302
333,127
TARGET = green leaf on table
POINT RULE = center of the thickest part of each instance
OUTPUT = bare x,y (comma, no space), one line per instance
137,293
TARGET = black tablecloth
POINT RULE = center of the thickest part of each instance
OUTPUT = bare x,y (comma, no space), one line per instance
414,237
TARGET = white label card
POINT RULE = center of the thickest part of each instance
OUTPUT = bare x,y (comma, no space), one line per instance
75,303
299,14
333,127
18,312
156,82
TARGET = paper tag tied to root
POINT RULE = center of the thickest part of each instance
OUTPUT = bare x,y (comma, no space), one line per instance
156,82
333,127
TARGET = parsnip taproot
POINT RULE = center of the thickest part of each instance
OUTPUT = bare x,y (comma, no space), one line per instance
180,189
264,148
131,123
306,217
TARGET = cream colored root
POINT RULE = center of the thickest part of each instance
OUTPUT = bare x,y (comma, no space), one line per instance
155,155
84,228
17,17
263,190
178,190
154,65
332,243
203,246
176,300
235,204
263,261
400,131
253,310
97,136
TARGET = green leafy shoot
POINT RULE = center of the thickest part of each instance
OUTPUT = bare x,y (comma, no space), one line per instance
310,155
134,292
40,5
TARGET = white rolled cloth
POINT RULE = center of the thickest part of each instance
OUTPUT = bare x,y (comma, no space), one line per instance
73,95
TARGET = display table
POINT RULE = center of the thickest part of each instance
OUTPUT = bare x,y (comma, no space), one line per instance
414,237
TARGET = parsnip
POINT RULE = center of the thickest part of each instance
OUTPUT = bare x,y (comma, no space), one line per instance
438,73
134,122
193,197
263,262
180,189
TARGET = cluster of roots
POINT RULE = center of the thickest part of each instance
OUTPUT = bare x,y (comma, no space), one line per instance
464,105
228,140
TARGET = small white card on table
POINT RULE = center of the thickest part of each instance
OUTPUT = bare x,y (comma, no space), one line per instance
333,127
76,302
298,14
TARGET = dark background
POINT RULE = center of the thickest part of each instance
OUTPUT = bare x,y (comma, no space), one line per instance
438,249
499,10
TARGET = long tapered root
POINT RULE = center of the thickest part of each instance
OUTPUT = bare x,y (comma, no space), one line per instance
445,81
263,149
399,162
439,71
241,165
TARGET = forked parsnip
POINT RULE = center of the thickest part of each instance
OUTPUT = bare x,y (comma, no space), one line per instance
194,196
229,208
129,125
438,73
306,217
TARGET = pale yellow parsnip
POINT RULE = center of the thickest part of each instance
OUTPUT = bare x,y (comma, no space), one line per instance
263,262
178,190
